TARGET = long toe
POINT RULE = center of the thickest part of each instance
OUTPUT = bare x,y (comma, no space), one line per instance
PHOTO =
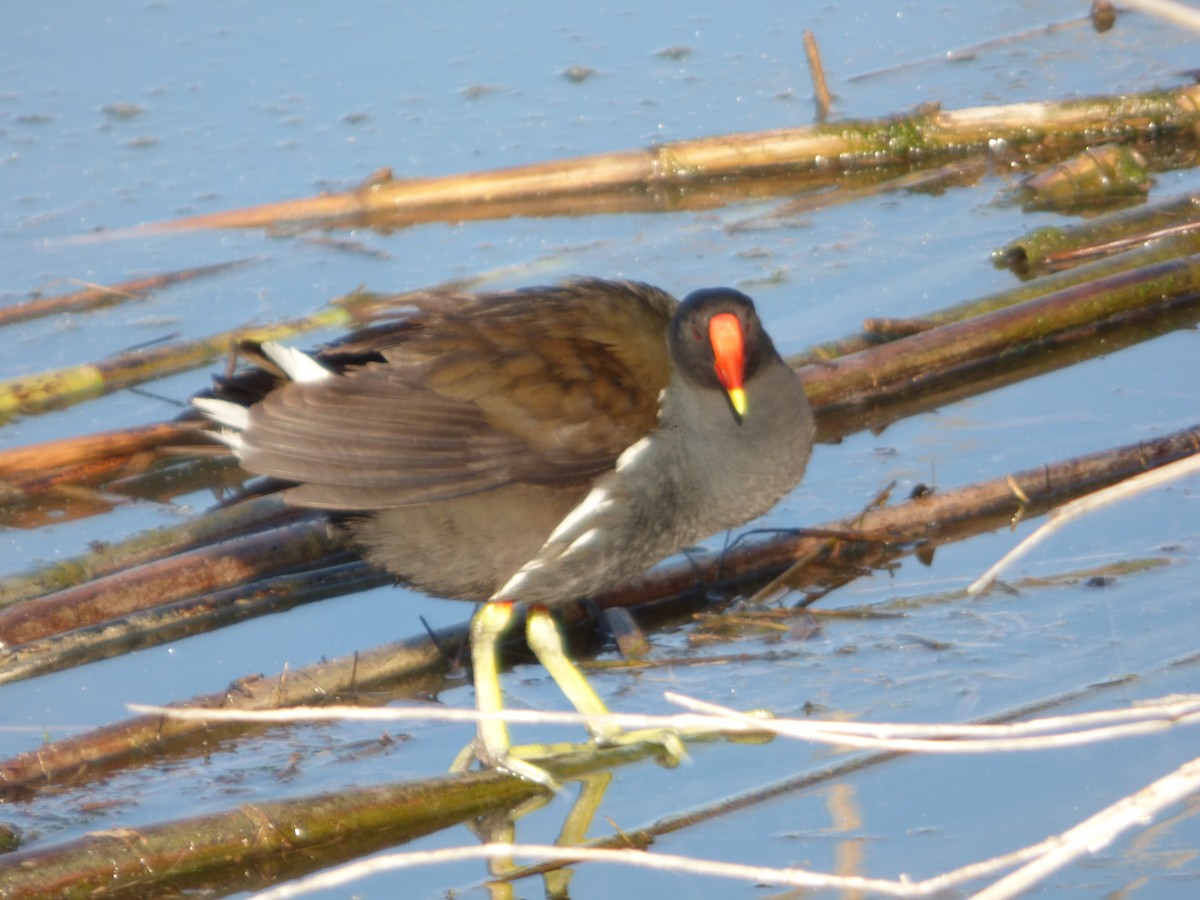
671,750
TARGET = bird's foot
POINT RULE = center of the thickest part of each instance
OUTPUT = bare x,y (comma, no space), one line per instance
522,760
670,753
511,760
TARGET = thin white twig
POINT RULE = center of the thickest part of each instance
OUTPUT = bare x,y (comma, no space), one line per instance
1068,512
1036,734
1036,861
1168,10
341,875
1171,707
969,738
1100,830
1040,859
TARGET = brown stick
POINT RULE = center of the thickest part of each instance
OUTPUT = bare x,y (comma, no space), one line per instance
1052,248
817,72
259,844
157,543
894,531
924,361
857,392
101,296
254,845
135,741
862,390
91,448
185,575
890,532
60,387
167,622
1161,250
649,178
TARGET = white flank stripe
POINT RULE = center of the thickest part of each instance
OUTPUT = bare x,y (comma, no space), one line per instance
588,537
511,587
594,503
296,364
632,453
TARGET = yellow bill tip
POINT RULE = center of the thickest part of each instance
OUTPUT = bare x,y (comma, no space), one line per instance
737,398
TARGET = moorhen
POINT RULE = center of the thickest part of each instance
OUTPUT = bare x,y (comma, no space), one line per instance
531,447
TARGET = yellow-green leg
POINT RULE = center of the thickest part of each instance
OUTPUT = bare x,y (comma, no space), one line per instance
544,639
492,745
488,623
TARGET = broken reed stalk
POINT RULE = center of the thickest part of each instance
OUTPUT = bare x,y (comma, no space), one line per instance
816,72
178,471
172,621
55,389
1180,14
879,331
836,770
68,479
100,296
888,534
923,371
62,387
893,531
127,462
222,850
40,458
1023,362
137,740
1095,179
216,525
112,449
1053,248
177,577
228,849
933,359
651,177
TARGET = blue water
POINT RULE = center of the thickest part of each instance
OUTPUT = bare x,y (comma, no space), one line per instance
238,103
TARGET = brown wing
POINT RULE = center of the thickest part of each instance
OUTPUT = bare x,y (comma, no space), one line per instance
542,386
